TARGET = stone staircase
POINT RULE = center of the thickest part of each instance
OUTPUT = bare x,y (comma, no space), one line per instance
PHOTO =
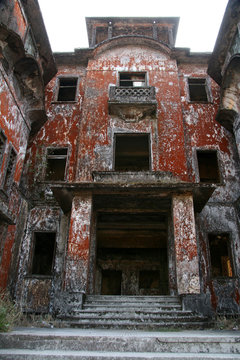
133,312
96,344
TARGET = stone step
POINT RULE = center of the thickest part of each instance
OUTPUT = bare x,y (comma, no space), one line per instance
134,316
125,308
132,300
151,326
129,298
17,354
94,340
132,312
112,312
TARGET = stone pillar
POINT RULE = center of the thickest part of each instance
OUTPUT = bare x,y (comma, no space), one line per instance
77,261
110,30
187,267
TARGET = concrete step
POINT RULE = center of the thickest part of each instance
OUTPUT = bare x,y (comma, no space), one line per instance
17,354
130,325
34,344
137,317
125,307
133,298
154,301
132,312
116,313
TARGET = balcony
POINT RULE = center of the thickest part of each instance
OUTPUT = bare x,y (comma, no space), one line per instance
132,103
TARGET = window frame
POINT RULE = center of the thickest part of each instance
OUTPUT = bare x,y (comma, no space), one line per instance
7,181
230,254
32,253
2,135
129,135
58,86
206,87
197,172
56,157
132,73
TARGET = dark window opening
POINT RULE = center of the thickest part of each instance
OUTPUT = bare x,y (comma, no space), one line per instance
2,147
56,164
220,254
132,152
111,282
149,279
43,253
10,170
208,166
67,89
132,79
197,90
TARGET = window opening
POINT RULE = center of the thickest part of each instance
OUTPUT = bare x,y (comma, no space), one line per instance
43,253
2,147
197,90
132,152
220,254
208,166
10,170
67,89
56,164
132,79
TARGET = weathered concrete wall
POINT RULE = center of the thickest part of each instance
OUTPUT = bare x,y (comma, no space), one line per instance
204,132
224,292
21,113
97,128
15,129
34,292
61,130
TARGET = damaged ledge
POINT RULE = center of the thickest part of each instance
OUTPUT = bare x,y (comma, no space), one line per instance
135,177
64,193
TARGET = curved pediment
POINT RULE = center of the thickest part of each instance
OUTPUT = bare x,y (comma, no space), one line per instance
136,41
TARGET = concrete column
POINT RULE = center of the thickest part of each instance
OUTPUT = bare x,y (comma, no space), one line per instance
110,30
187,267
77,261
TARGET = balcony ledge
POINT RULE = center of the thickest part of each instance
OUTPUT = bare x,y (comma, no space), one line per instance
132,103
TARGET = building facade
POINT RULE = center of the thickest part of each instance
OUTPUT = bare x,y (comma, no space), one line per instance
128,183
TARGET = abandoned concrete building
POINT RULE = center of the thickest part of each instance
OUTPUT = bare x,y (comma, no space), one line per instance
119,166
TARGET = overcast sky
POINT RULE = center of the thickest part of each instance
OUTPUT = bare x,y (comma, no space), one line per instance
198,28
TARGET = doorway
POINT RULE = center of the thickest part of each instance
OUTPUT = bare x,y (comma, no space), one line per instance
132,253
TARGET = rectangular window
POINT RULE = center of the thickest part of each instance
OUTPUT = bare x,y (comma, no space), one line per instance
132,152
198,90
132,79
43,253
10,170
56,164
67,89
2,147
220,255
208,166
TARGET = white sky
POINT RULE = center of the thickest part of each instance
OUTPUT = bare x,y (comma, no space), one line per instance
198,28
